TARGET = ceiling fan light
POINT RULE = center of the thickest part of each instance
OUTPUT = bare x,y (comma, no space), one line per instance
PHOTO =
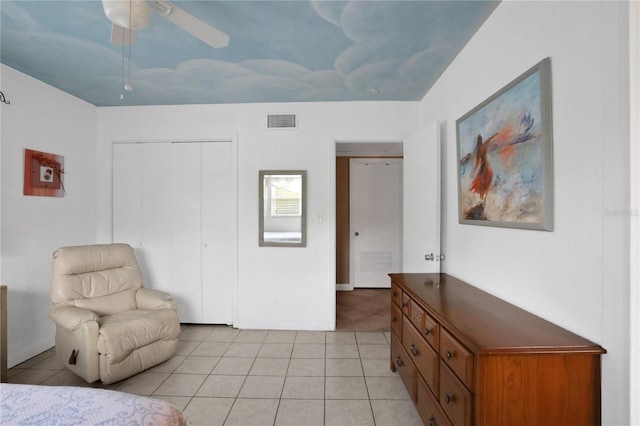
131,14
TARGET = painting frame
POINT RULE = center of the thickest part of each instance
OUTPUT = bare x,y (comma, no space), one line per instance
43,174
505,156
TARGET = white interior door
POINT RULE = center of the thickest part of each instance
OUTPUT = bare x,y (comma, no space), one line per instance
421,239
375,220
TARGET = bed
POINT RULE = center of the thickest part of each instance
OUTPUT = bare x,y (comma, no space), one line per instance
70,405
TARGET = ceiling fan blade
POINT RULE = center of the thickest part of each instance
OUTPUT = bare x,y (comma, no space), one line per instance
122,36
198,28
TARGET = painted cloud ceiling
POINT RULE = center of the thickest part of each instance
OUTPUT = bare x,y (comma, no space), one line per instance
279,51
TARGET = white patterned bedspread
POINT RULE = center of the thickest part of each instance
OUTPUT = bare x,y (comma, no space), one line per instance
68,405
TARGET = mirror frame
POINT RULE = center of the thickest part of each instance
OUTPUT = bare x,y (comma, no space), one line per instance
303,216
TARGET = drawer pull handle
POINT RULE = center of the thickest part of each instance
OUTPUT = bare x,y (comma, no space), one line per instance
414,351
404,304
427,331
448,398
399,362
450,354
394,319
433,421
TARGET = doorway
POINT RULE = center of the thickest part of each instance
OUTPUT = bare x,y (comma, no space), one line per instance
345,152
357,309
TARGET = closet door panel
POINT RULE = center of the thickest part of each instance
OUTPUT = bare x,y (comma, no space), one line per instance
171,224
218,232
187,239
156,220
127,190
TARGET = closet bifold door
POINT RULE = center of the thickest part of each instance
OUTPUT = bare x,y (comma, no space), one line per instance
218,233
126,192
171,193
156,209
172,203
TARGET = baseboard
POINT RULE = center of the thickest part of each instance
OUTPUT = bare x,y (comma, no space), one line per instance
27,352
258,324
344,287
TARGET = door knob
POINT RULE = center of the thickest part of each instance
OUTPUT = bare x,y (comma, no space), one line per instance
356,234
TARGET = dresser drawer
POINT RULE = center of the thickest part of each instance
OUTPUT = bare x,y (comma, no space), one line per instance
431,331
425,359
428,407
405,304
401,363
396,320
457,357
416,314
455,398
396,294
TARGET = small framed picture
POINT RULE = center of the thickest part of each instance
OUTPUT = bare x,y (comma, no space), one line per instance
43,174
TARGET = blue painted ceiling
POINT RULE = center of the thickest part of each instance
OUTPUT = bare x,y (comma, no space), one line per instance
279,51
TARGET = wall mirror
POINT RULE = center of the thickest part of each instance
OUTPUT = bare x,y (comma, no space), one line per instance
283,208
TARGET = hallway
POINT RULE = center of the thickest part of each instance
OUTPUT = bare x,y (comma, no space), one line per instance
363,309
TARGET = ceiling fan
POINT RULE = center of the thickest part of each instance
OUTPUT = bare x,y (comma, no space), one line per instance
128,16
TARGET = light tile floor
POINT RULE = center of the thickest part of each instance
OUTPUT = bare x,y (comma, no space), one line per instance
225,376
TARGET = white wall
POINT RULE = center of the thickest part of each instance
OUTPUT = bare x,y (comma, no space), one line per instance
634,160
576,276
277,287
43,118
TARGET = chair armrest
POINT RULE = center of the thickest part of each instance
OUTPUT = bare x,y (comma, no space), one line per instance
147,298
71,317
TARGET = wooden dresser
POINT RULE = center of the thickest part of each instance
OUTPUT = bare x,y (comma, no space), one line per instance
469,358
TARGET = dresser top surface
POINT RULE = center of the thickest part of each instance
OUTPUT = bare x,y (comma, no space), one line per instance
486,323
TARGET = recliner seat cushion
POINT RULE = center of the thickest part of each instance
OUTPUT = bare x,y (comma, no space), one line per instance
110,304
121,333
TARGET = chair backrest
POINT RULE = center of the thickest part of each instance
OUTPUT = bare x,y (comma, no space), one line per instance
102,277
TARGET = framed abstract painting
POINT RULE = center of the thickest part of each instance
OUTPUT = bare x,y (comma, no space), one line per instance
504,156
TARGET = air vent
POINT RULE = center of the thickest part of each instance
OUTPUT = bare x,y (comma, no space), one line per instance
281,121
376,261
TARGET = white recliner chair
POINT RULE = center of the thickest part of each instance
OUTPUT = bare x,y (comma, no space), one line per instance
108,326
